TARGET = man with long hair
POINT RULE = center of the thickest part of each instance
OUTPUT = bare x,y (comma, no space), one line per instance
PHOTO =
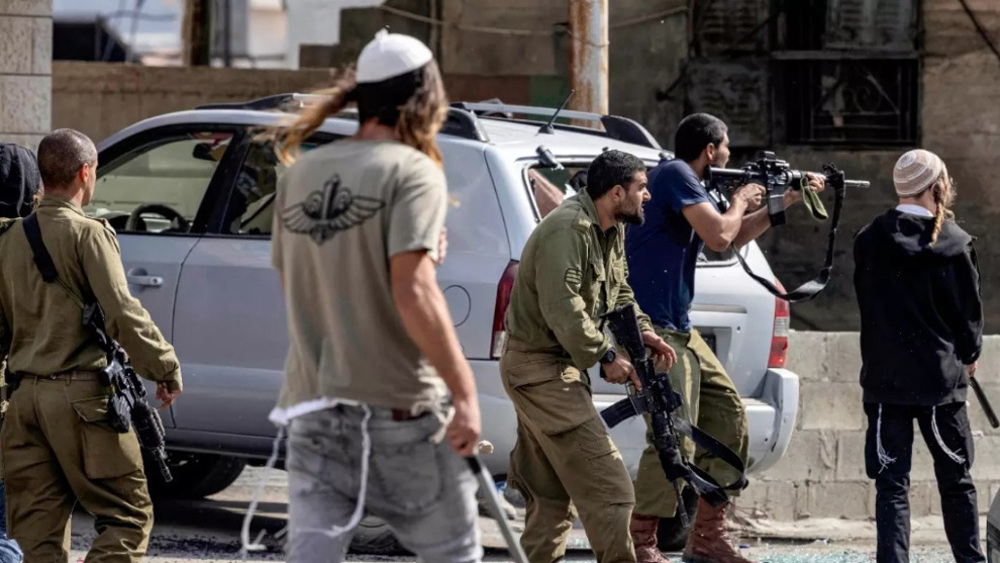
373,355
572,272
917,283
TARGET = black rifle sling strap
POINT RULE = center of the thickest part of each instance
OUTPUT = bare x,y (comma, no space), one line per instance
625,409
715,448
42,257
811,288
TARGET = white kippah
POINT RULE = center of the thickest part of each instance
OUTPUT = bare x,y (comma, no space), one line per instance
915,171
390,55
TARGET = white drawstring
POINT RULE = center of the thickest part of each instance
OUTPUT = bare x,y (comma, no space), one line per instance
333,531
245,532
937,436
883,457
366,449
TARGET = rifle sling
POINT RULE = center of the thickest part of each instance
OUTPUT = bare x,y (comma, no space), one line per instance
812,288
43,260
704,482
715,448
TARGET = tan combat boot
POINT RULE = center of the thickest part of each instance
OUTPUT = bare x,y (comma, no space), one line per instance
709,541
643,530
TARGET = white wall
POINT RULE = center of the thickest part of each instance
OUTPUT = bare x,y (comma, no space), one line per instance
268,33
317,22
272,30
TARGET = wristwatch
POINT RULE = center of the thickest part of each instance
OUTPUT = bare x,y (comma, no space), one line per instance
609,356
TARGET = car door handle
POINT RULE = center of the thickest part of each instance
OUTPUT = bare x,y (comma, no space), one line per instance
148,281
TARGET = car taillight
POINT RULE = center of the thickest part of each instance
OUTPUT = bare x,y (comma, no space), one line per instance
779,338
503,299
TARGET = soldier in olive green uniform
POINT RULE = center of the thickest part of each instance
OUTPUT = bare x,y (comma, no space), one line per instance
573,271
58,447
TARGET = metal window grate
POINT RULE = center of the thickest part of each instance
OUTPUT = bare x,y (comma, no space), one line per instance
855,101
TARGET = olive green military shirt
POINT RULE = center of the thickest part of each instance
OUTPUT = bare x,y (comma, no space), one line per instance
570,274
41,326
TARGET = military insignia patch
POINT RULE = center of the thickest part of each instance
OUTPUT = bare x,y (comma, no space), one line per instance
574,277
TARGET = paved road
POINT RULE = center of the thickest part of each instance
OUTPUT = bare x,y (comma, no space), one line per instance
208,531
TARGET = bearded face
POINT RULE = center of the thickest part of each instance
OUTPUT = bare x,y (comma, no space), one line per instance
630,209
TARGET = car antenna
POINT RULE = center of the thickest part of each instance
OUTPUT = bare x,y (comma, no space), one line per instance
547,128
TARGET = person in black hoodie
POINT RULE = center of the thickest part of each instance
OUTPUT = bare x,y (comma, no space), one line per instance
20,183
917,283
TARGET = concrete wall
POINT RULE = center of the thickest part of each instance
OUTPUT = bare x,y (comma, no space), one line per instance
316,22
823,475
961,123
25,69
100,99
644,57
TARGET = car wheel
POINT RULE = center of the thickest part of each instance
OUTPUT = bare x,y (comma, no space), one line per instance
374,537
671,535
194,475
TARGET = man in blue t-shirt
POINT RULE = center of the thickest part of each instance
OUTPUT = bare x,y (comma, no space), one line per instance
681,218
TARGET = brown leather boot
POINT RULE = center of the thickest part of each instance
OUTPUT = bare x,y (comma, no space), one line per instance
643,530
709,542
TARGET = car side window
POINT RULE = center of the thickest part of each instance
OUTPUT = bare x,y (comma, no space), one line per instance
251,208
159,188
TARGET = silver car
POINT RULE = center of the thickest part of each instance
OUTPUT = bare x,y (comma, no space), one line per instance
190,195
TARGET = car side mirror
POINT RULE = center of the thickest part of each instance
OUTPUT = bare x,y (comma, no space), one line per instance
203,151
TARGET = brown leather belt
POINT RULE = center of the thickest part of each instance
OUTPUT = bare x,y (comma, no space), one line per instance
401,415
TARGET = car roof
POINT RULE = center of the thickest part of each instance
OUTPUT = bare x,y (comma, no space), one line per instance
513,134
503,133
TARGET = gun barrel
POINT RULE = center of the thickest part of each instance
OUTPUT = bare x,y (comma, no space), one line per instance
726,172
856,184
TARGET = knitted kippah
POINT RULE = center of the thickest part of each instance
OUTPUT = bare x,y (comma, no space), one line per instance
915,171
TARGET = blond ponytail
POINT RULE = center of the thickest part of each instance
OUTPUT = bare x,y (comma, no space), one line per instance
419,119
288,140
943,198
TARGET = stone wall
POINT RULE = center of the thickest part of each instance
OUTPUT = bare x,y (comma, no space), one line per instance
822,474
25,69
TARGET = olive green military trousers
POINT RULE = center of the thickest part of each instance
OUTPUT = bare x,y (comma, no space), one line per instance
712,403
564,461
56,449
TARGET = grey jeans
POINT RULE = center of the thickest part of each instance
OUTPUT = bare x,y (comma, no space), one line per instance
424,491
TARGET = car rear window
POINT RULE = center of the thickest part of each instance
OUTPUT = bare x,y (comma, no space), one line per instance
568,179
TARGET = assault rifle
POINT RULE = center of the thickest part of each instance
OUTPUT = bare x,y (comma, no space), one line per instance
660,401
777,177
127,404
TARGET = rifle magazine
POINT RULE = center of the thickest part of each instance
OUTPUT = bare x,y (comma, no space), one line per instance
618,412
